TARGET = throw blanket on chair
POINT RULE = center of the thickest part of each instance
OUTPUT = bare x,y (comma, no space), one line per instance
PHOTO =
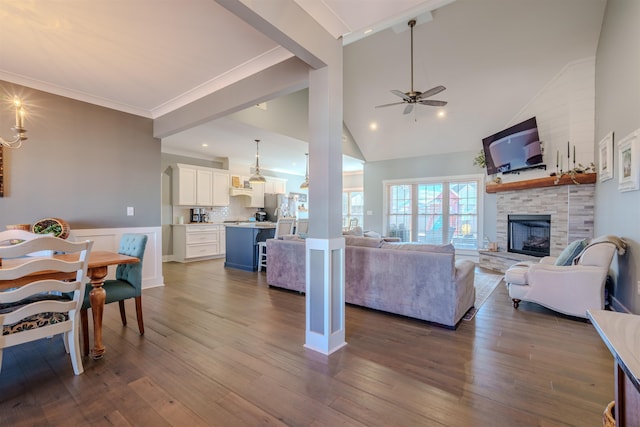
621,245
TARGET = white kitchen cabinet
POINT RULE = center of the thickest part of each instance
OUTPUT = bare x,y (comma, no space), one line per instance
204,187
257,196
220,188
196,242
184,188
192,185
275,186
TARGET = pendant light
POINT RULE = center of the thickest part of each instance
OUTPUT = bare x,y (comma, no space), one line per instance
305,184
257,177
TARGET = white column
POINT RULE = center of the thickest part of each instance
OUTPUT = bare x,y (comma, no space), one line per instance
325,328
325,295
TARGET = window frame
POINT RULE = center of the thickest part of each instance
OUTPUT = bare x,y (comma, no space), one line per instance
445,180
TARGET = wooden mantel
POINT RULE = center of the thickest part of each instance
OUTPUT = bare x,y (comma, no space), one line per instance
549,181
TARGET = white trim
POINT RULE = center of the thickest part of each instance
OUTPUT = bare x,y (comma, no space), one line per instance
263,61
108,239
332,336
430,179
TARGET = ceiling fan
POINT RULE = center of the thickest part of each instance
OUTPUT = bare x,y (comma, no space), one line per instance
412,97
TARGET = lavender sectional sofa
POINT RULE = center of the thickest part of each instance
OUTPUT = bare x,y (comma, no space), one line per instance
420,281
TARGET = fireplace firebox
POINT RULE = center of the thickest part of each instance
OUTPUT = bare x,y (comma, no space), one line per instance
529,234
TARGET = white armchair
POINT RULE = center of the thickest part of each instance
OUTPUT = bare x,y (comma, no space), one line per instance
571,289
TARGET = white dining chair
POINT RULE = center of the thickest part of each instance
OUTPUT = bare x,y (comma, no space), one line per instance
11,237
30,310
284,226
302,227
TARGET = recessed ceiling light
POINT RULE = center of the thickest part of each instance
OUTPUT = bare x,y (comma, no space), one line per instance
373,126
442,113
205,145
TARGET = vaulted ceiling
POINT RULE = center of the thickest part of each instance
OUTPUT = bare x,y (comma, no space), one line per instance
149,57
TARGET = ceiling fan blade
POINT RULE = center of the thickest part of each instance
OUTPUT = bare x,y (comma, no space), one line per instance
433,102
408,109
400,94
388,105
431,92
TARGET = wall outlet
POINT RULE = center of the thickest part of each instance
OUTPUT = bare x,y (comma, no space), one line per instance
129,210
369,213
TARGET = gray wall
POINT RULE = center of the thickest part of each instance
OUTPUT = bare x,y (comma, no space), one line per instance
618,110
82,163
415,167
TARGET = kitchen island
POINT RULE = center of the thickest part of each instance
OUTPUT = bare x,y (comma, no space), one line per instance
242,243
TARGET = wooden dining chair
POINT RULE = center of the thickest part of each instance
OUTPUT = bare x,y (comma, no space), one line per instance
41,305
126,285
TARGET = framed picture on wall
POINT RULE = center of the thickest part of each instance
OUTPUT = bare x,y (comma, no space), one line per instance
629,162
605,158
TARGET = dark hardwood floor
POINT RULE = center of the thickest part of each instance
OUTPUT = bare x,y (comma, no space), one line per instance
222,348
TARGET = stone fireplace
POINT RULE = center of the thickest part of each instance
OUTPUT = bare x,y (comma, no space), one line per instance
569,206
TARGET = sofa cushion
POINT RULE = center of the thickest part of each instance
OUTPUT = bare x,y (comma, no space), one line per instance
421,247
369,242
572,250
291,237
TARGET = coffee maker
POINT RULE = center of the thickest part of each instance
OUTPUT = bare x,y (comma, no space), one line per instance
196,215
261,216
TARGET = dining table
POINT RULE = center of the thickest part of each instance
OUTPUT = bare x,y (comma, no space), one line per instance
97,270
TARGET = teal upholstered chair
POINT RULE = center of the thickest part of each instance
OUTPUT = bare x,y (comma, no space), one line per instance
126,285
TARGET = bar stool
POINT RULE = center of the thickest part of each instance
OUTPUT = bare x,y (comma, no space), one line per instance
283,226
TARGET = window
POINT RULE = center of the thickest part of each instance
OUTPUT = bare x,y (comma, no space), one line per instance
435,212
352,207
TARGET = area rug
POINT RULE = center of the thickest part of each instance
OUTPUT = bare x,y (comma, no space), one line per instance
485,284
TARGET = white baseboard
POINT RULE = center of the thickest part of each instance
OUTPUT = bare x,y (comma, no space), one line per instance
108,239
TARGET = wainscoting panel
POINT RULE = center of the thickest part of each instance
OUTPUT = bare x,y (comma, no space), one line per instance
108,239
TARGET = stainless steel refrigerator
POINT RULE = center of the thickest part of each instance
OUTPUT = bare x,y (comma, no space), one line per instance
279,206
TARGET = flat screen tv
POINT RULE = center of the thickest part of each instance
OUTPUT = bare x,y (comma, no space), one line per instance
512,149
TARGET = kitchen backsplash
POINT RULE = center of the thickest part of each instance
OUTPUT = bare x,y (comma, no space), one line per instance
236,211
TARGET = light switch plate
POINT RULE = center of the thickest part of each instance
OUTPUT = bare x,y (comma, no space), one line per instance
129,210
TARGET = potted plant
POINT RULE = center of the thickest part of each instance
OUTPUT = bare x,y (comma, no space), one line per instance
481,160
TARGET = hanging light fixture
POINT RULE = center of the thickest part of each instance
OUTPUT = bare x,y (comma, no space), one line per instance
19,129
305,184
257,177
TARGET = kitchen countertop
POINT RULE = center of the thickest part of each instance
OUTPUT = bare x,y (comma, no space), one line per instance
245,224
198,223
251,224
621,333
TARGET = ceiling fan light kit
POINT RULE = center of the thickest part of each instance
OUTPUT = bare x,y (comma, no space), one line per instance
415,97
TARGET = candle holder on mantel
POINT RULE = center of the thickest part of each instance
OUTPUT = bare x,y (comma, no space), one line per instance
571,173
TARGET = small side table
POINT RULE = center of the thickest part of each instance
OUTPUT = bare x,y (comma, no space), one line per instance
621,334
